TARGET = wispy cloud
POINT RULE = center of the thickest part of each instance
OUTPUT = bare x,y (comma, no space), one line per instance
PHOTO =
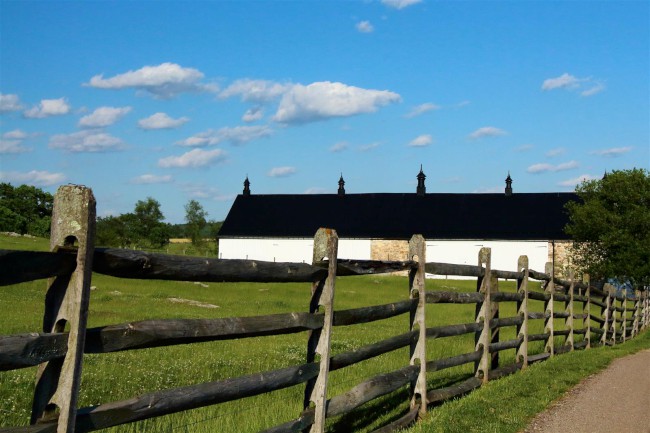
281,171
544,168
524,148
161,121
364,27
48,108
339,147
237,135
577,180
323,100
147,179
421,141
163,81
103,116
400,4
34,177
259,91
9,103
487,131
421,109
599,87
12,142
556,152
368,147
253,114
195,158
612,152
86,141
570,82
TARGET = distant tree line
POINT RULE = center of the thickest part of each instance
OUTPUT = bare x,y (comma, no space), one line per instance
28,210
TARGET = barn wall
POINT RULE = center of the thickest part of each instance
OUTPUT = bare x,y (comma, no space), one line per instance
287,250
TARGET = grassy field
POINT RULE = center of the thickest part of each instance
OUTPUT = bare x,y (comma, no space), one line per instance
117,376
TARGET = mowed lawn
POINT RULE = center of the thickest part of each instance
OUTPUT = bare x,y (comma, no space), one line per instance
122,375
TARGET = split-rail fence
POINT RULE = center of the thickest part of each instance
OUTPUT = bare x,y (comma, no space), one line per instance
59,353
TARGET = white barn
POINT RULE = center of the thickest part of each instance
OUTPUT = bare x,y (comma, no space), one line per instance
377,226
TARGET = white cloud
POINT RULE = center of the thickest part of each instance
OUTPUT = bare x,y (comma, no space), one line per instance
193,159
364,27
9,102
556,152
161,121
323,100
543,167
201,191
103,116
152,179
164,81
487,131
421,141
281,171
400,4
34,177
237,136
86,141
253,114
569,82
594,90
577,180
16,134
260,91
421,109
339,147
47,108
368,147
613,152
524,148
12,146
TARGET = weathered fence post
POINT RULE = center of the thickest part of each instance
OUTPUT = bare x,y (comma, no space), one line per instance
637,313
66,308
586,311
417,250
325,247
605,315
624,327
646,307
549,308
568,322
612,296
484,315
522,311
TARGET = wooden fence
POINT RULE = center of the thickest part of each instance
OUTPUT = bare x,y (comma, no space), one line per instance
58,351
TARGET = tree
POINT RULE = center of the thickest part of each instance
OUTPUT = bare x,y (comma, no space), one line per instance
152,232
25,209
195,218
610,226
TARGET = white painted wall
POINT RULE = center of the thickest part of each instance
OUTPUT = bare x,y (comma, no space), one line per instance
287,250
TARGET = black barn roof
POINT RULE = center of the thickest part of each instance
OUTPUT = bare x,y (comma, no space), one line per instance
523,216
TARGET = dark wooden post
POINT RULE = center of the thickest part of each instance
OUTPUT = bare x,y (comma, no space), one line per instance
66,308
417,251
586,311
549,308
568,304
522,311
325,247
483,315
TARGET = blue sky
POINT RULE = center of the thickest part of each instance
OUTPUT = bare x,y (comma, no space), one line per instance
181,100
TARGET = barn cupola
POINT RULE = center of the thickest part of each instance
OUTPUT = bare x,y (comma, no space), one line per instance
341,185
508,185
421,190
247,187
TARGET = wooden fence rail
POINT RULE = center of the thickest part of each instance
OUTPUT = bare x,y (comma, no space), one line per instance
68,266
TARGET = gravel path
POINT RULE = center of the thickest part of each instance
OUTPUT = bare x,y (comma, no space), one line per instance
612,401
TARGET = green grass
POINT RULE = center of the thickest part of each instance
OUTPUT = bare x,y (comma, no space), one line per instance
117,376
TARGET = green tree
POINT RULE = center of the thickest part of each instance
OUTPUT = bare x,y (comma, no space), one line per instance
195,221
25,209
151,231
610,226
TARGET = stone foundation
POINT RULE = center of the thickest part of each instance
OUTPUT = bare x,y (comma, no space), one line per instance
381,249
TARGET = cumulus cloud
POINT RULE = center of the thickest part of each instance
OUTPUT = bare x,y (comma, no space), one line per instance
281,171
569,82
339,147
9,102
163,81
556,152
47,108
577,180
323,100
253,114
193,159
103,116
400,4
259,91
86,141
34,177
147,179
237,136
364,27
421,141
421,109
612,152
487,131
161,121
12,146
543,167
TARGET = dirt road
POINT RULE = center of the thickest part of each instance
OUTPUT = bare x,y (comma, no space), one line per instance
613,401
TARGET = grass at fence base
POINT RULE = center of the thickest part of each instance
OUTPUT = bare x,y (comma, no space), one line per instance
509,404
